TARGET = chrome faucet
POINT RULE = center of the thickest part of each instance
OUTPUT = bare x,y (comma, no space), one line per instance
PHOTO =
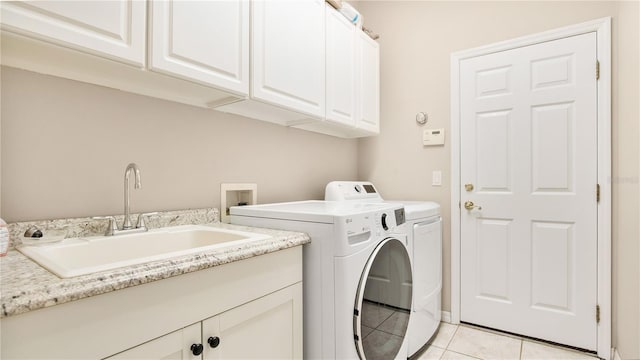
141,226
126,225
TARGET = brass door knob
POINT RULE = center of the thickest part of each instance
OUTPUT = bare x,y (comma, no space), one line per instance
468,187
469,205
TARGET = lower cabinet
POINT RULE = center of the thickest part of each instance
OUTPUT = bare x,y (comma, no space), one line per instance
268,327
252,306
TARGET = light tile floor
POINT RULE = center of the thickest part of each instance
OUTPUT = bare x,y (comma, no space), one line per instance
463,342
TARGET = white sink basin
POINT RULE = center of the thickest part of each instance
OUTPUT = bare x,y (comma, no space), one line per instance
74,257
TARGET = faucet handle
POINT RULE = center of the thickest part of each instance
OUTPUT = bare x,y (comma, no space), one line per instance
113,227
140,224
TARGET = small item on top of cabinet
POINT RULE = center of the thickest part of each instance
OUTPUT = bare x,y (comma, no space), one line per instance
4,238
351,14
335,3
371,34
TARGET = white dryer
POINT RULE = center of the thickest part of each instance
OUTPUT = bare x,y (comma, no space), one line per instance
424,230
356,302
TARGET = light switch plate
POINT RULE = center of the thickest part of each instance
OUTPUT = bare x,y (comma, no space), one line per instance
436,178
432,137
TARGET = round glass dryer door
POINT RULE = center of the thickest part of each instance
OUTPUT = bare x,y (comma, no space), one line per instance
383,302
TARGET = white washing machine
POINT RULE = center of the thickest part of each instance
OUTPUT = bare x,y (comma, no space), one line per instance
424,230
357,303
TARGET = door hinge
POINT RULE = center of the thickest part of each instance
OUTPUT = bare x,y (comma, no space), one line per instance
597,192
597,70
598,314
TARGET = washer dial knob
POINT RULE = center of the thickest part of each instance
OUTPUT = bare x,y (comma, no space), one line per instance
383,220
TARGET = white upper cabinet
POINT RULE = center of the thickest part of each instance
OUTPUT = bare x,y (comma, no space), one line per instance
353,82
297,63
368,83
288,49
202,41
341,69
112,29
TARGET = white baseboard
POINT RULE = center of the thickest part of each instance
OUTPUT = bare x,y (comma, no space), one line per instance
446,316
616,354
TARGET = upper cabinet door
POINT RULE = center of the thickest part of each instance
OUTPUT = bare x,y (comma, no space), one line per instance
113,29
202,41
368,80
341,68
288,49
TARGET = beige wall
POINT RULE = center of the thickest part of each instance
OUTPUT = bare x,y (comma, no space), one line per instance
65,146
626,207
417,38
0,138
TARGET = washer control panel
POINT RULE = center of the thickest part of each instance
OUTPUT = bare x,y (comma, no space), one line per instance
388,220
360,229
351,190
399,214
377,223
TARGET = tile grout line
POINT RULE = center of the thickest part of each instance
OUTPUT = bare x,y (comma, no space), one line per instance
444,351
452,336
385,319
380,324
451,340
446,348
459,353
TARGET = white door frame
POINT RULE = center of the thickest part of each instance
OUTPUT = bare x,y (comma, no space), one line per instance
602,28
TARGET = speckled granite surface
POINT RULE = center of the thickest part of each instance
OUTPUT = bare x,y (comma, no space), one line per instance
86,226
26,286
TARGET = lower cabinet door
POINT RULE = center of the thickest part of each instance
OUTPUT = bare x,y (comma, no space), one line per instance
173,346
267,328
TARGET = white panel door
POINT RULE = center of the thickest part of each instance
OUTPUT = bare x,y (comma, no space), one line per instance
288,52
173,346
529,148
341,68
368,83
114,29
203,41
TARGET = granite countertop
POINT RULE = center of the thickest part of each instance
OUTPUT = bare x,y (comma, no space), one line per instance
26,286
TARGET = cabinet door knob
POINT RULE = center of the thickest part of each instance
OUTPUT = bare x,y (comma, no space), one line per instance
213,341
197,349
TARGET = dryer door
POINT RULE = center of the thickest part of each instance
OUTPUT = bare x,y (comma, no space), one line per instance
383,302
